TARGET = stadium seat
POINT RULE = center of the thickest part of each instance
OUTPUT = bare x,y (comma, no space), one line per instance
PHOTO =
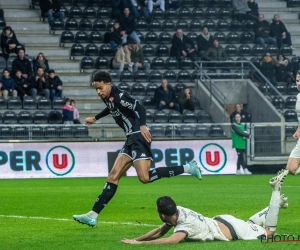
65,10
171,14
183,76
71,24
160,117
10,61
81,2
192,36
81,37
29,102
233,38
67,37
149,103
25,117
170,75
293,3
141,76
196,103
210,24
226,3
198,13
81,132
2,23
115,75
77,50
157,13
55,117
6,133
37,132
124,87
2,63
95,37
187,4
66,132
258,50
248,25
273,50
157,131
87,63
201,3
266,89
75,12
216,131
155,76
220,36
175,117
222,25
245,50
89,12
99,25
155,25
10,117
57,24
246,37
224,13
168,25
186,63
157,63
187,131
182,24
203,117
179,87
290,116
138,89
85,24
255,61
295,63
102,63
278,102
150,88
213,3
162,50
110,24
14,103
126,76
286,50
148,50
141,25
172,131
164,38
172,63
91,50
44,103
51,132
281,88
184,13
189,117
290,130
195,25
211,13
104,13
231,50
40,117
58,102
105,50
141,36
236,25
151,38
201,131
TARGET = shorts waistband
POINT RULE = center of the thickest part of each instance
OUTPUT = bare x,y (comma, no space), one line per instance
230,227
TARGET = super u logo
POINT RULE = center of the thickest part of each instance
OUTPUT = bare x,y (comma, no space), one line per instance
213,157
60,160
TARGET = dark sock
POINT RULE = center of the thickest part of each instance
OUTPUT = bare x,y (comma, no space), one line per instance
159,173
108,192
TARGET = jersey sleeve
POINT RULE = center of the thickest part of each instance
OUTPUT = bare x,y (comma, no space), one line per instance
298,108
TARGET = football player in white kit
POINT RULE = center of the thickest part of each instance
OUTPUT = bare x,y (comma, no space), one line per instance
294,159
194,226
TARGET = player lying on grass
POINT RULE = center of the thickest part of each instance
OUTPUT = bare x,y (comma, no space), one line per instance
193,226
130,115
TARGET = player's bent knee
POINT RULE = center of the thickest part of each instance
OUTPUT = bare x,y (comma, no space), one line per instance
144,179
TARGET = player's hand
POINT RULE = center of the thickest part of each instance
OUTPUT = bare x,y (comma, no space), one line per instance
146,133
297,135
89,121
127,241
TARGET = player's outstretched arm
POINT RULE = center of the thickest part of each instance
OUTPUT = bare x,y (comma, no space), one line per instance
89,121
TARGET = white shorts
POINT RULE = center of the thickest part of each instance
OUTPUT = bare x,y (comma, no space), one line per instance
296,151
243,229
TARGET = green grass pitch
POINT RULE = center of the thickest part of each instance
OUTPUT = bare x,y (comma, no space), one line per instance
37,213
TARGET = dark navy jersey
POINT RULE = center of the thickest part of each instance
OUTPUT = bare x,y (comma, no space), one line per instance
122,108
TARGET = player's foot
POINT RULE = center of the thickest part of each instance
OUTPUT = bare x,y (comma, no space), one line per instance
277,181
194,169
283,203
246,171
239,171
84,219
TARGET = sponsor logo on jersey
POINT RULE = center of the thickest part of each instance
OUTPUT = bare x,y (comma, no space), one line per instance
126,104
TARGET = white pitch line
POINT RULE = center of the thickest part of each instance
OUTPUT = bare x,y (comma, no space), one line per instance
63,219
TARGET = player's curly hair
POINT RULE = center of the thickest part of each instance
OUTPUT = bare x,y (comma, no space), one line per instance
166,205
102,76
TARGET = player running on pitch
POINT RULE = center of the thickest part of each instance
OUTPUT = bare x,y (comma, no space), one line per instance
130,115
193,226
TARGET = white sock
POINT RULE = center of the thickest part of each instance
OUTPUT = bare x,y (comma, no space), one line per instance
260,217
92,214
186,168
272,216
297,171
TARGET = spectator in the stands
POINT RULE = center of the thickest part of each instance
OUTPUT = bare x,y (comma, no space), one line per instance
204,41
1,14
253,6
117,37
55,85
267,68
22,63
245,117
215,53
8,85
182,46
165,97
68,112
283,70
9,42
279,31
76,117
262,32
118,6
185,100
172,4
22,85
51,10
137,57
39,84
138,9
155,3
122,58
40,62
127,22
241,10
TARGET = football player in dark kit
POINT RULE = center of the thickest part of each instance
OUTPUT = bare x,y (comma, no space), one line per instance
130,115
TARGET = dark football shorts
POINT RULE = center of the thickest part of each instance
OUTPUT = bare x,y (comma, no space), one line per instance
137,148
